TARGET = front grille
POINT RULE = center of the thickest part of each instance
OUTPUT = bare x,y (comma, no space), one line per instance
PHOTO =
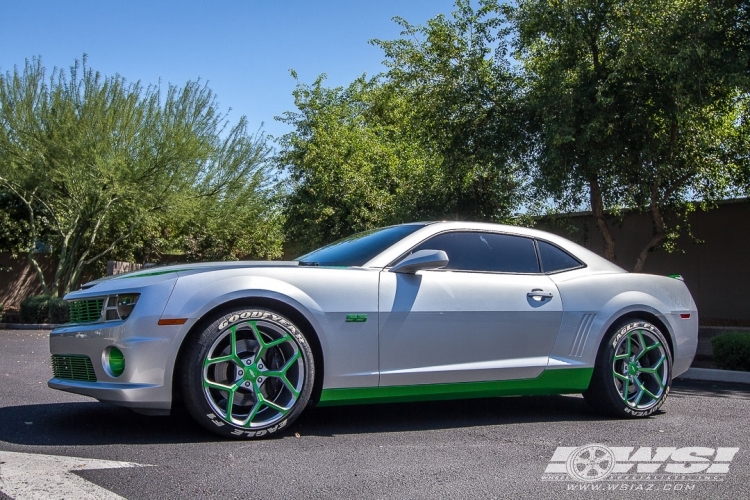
85,311
73,367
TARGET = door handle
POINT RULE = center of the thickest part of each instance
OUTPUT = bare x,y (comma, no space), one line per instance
539,295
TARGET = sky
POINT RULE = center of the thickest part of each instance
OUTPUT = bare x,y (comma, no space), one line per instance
244,49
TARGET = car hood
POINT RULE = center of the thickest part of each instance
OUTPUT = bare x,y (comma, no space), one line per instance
194,268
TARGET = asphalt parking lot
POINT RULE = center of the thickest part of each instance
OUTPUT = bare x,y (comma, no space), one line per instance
489,448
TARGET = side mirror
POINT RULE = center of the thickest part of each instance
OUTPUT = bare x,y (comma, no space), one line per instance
423,259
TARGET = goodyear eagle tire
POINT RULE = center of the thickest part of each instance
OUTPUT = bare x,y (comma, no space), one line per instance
633,371
248,375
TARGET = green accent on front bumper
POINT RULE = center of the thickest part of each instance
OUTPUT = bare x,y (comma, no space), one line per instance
356,318
556,381
85,311
73,367
116,361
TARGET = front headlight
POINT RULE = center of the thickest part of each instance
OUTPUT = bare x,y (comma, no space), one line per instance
126,303
120,306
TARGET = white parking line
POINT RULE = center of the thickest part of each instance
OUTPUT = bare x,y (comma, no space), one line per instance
43,477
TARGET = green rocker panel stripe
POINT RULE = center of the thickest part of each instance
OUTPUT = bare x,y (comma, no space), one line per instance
557,381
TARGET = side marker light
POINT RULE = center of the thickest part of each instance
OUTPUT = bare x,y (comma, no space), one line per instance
172,321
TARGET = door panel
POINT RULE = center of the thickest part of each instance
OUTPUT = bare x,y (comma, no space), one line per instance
451,326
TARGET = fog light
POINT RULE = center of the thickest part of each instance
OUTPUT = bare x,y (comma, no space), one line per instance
114,361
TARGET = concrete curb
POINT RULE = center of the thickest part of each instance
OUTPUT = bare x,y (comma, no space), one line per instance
24,326
710,375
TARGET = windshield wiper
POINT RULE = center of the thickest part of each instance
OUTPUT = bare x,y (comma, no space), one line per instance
303,263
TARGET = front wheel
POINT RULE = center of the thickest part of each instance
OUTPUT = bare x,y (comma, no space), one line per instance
249,374
633,371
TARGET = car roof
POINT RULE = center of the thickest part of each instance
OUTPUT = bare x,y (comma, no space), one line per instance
591,259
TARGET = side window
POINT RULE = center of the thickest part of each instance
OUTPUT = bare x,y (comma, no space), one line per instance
489,252
554,259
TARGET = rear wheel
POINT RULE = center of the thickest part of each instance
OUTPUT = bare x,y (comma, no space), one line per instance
633,371
249,375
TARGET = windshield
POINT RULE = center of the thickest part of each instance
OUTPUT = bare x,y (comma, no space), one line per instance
358,248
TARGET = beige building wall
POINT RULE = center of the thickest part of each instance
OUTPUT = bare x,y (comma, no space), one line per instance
18,279
716,269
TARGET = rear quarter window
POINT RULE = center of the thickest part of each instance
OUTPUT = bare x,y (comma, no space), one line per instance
554,259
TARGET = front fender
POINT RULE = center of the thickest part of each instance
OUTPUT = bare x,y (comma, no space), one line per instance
191,299
325,297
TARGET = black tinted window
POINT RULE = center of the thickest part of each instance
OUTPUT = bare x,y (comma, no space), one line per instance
358,248
475,251
554,259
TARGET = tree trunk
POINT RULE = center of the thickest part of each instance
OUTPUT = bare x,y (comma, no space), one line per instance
597,208
661,230
46,290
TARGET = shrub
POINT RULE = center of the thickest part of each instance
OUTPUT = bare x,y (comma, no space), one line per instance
58,311
732,351
35,309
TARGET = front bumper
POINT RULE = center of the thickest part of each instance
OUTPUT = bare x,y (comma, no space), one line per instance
149,351
144,382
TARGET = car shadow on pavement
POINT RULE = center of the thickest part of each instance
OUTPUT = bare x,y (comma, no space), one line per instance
432,415
67,424
84,423
63,424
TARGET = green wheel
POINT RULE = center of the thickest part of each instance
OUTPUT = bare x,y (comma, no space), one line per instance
633,371
249,375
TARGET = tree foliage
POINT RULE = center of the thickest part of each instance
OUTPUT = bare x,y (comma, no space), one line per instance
612,105
351,163
96,164
436,136
466,106
634,104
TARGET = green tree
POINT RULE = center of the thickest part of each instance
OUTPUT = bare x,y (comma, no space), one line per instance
350,163
243,221
435,137
465,101
94,161
632,104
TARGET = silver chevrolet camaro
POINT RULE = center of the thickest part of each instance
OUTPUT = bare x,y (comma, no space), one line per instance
421,311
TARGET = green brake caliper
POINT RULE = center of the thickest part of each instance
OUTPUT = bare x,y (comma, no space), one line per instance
251,373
